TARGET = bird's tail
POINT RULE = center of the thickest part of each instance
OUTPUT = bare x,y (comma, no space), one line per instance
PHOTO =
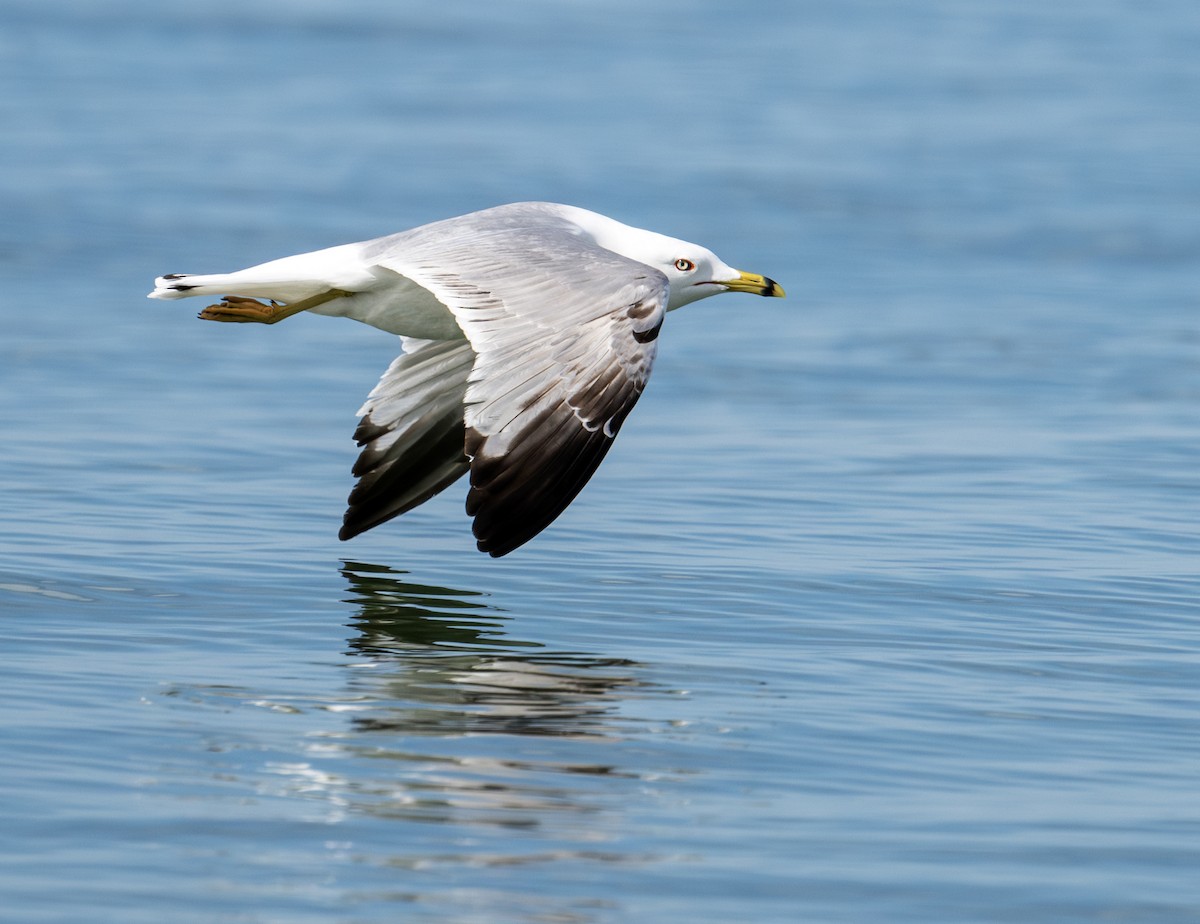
181,285
285,280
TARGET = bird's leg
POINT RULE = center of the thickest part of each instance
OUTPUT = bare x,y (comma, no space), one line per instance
244,310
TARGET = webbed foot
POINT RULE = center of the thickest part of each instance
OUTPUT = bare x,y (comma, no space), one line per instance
243,310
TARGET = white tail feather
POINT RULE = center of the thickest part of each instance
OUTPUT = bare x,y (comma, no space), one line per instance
182,285
286,280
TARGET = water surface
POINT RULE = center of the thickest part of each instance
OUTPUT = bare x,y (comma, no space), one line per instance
883,608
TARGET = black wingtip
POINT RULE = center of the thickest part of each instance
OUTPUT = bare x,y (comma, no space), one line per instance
496,550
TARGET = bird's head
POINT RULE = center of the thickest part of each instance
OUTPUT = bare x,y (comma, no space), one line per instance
694,272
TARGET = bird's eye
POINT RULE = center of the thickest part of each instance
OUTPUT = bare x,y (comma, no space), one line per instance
684,265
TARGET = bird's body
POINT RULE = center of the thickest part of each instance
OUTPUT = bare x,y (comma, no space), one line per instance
528,332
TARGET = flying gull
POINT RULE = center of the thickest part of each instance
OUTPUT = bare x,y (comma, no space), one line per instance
528,332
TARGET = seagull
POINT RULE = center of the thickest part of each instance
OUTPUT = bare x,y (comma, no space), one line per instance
528,331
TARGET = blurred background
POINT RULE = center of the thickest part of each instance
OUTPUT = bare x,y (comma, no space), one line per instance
883,607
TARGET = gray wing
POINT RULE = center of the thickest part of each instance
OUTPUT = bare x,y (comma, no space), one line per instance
412,433
564,335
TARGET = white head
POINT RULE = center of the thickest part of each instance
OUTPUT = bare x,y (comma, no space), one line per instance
694,272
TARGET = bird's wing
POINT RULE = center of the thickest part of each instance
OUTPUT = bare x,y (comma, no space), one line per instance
411,433
564,335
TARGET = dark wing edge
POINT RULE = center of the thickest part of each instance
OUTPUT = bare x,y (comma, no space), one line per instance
522,480
412,434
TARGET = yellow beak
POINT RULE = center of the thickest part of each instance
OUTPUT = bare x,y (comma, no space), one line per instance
754,283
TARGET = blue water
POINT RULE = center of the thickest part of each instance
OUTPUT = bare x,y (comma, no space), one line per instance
885,606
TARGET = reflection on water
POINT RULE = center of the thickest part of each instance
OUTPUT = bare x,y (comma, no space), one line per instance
443,665
451,720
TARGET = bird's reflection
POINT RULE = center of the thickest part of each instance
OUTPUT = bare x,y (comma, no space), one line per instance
442,663
451,720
